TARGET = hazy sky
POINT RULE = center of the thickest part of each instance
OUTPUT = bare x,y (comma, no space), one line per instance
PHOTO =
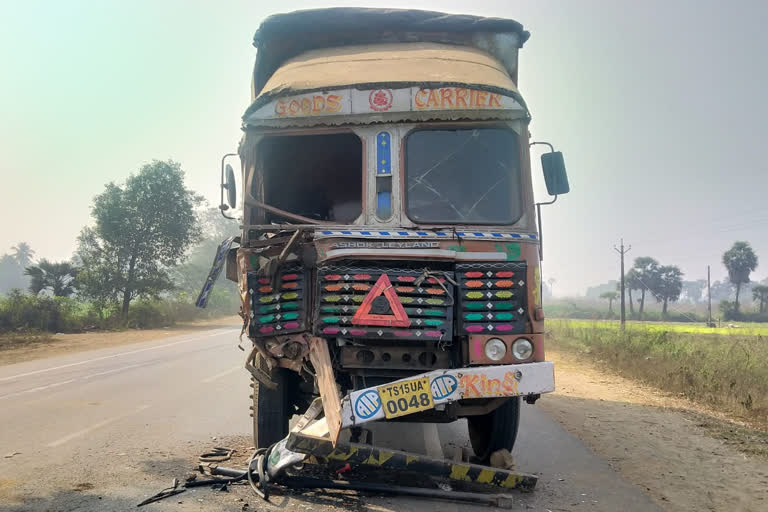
659,107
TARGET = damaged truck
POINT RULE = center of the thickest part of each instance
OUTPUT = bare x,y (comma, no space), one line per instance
390,246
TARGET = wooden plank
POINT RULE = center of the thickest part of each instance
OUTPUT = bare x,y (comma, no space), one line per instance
326,383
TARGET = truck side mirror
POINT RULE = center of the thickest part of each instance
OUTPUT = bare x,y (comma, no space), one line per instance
554,173
231,187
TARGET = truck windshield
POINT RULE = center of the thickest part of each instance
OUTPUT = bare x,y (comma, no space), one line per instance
463,176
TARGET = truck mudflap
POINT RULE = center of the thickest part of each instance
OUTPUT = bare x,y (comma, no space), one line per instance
433,389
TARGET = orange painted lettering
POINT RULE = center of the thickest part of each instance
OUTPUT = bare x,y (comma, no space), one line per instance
433,101
293,107
333,103
494,100
472,98
467,383
419,98
446,96
510,384
461,98
481,96
318,104
306,106
280,108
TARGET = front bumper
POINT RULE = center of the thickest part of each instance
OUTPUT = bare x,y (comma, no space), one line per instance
365,405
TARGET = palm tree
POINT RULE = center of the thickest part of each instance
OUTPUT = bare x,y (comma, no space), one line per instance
57,277
23,254
646,273
760,293
740,260
551,281
610,296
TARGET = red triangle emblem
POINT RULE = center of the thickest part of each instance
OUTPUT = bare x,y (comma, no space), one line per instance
363,315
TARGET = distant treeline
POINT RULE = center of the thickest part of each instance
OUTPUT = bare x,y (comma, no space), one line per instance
141,263
664,284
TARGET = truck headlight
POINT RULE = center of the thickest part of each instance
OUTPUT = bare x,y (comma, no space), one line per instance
495,349
522,349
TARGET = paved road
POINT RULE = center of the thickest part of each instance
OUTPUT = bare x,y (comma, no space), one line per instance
101,430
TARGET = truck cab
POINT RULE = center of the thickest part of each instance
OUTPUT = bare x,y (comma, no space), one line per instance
388,219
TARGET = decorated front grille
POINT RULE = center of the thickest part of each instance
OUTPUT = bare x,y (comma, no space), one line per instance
491,298
278,304
378,303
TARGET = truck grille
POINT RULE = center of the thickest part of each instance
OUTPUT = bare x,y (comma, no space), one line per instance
492,298
278,306
343,290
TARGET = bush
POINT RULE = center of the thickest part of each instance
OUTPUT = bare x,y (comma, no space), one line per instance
30,312
20,312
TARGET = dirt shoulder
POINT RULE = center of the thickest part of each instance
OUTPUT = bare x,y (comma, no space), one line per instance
685,456
40,347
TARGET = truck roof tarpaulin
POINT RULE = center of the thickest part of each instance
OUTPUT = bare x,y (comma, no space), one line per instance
298,51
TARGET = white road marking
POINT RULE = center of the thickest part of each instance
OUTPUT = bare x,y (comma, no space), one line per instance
39,388
432,443
44,370
222,374
93,427
57,384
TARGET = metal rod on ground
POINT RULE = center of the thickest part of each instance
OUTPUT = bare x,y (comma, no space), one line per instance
622,252
469,497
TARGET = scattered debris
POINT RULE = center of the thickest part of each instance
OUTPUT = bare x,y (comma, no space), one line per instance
218,454
165,493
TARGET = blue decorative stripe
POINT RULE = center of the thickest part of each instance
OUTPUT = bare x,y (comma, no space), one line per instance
426,234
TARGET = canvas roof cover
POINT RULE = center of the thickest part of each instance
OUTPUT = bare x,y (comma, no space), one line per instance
389,64
283,37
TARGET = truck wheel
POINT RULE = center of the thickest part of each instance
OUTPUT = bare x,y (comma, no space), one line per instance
272,410
496,430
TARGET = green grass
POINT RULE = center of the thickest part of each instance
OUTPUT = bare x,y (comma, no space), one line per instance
742,329
728,371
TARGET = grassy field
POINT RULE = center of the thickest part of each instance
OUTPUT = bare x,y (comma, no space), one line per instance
740,329
727,371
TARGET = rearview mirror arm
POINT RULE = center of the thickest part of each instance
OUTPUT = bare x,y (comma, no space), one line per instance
222,205
541,229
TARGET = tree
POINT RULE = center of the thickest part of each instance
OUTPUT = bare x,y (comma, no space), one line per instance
23,254
760,294
610,297
631,282
142,229
56,277
551,281
646,274
740,260
669,285
190,276
693,291
11,274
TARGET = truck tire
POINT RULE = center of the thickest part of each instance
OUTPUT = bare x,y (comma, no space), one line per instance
272,410
496,430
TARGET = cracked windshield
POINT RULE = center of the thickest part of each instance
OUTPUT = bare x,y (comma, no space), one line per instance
463,176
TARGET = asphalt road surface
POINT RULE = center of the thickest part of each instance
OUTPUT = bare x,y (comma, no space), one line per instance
104,429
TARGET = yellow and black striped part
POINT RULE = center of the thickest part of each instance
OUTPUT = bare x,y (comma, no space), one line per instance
392,459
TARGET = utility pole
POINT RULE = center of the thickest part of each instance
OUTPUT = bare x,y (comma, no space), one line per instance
622,252
709,300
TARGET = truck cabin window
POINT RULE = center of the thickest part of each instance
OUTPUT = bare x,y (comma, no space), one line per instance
316,176
464,176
